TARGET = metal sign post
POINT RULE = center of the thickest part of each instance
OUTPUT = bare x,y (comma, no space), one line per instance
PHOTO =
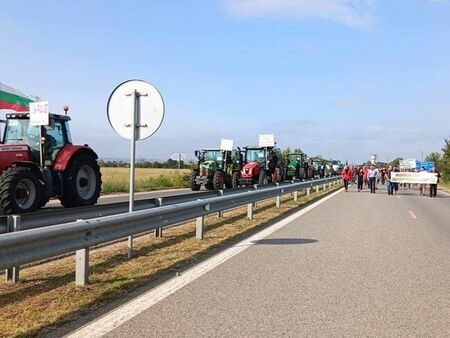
138,123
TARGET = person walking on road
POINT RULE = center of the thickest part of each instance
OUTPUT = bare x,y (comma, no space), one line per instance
387,177
396,184
360,177
433,187
373,174
346,176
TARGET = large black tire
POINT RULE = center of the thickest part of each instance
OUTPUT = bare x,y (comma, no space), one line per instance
263,178
235,179
228,183
194,186
82,182
20,191
219,180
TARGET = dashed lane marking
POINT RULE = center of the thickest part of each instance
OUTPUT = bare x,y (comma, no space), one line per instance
412,215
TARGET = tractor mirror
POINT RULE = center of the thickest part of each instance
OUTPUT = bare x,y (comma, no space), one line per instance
196,153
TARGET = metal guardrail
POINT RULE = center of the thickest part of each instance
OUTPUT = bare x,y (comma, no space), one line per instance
51,216
18,248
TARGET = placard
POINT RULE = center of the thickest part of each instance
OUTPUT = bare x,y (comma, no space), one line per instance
226,144
409,163
39,113
267,140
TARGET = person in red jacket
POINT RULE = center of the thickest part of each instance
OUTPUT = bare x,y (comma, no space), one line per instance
346,176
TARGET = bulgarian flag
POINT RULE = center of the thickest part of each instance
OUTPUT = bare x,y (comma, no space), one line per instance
13,99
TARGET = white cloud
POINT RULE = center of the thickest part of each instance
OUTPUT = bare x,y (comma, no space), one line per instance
353,13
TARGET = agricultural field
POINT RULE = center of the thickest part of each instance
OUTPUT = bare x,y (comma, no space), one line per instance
116,180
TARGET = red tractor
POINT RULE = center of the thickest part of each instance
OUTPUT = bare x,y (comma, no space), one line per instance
40,162
262,165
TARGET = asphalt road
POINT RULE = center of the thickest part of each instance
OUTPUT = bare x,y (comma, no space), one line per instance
359,264
114,198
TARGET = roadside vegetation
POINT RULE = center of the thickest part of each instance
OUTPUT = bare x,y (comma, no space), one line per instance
46,296
116,180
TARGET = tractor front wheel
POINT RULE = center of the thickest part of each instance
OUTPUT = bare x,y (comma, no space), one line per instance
218,180
194,186
20,191
81,182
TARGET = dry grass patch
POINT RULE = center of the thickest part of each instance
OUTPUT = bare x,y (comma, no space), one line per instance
47,296
117,179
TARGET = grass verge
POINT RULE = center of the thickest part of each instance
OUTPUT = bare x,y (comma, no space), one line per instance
444,186
116,180
47,297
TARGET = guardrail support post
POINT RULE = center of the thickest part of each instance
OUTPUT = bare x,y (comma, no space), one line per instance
12,225
220,213
200,221
324,186
329,184
250,211
277,201
295,196
308,191
82,267
317,188
158,231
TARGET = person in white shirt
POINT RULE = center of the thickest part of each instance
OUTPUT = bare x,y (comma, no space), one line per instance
373,175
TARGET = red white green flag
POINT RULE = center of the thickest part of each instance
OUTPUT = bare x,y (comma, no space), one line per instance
13,99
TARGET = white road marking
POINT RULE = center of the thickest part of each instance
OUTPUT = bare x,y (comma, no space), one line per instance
117,317
412,215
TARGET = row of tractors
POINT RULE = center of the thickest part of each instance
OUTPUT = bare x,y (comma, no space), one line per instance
217,169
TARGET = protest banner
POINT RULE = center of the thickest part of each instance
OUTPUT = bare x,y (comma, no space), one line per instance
418,178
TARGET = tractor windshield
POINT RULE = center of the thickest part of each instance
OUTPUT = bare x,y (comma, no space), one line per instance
255,155
19,131
295,157
213,155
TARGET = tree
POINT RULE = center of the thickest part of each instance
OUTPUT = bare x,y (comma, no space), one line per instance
396,162
298,151
445,162
434,157
286,152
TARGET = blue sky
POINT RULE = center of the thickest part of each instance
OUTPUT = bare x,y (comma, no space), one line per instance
339,78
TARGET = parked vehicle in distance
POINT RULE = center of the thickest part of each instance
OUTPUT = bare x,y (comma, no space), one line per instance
261,165
215,168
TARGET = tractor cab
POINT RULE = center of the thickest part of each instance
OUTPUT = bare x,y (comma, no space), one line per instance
19,131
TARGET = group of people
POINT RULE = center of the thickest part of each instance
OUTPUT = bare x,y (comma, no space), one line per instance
370,177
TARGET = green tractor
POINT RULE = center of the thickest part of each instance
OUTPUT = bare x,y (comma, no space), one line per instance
296,167
215,169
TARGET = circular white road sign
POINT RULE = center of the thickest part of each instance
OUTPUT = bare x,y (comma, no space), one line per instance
121,109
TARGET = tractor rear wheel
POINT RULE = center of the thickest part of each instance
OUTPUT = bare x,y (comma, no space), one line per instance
235,179
194,186
81,182
20,191
219,180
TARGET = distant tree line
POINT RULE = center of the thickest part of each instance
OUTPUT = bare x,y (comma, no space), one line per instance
169,164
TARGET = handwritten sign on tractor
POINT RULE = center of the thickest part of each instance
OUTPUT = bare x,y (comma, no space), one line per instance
39,113
226,144
267,140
